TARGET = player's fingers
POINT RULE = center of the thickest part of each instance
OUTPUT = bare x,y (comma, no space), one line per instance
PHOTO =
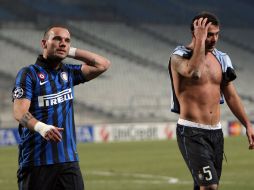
56,138
251,143
195,23
56,134
48,135
208,25
251,146
203,22
60,129
53,135
251,140
200,21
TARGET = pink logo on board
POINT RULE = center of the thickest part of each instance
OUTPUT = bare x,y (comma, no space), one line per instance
104,134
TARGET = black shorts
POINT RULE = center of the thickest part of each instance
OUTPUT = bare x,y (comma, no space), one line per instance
66,176
202,151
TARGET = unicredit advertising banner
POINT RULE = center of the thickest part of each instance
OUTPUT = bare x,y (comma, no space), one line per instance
123,132
134,132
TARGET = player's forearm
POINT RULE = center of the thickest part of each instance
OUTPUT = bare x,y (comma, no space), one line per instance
238,110
91,59
22,115
243,118
197,60
26,119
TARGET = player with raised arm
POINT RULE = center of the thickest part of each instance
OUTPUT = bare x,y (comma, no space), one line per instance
200,76
43,105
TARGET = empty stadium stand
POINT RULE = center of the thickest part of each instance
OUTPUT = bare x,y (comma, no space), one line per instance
137,36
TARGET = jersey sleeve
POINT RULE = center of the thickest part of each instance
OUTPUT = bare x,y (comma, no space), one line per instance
77,75
228,70
23,85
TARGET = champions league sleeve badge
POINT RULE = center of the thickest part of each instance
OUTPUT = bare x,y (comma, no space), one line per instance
17,93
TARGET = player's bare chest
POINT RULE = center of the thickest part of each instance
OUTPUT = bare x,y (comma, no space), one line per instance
212,70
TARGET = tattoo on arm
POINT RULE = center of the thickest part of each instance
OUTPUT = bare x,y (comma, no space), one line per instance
177,61
182,66
25,119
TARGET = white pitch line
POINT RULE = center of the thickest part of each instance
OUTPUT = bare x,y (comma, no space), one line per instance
141,178
126,181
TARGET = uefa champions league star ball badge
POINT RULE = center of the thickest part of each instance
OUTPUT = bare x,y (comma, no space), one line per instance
17,93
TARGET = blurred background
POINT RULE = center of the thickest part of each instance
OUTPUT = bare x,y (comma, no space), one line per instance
131,101
138,37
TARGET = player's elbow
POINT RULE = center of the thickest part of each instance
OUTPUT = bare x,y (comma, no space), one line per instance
19,109
16,115
105,65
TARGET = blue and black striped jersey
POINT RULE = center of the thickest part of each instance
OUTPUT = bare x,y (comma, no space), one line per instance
51,95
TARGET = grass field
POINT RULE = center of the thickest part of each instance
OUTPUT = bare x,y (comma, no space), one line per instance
153,165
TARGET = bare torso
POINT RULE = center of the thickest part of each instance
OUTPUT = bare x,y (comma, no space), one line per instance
200,99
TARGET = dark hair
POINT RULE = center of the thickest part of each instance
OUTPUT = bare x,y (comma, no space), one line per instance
210,18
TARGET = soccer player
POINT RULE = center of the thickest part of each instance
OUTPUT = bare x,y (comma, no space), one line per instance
43,98
200,76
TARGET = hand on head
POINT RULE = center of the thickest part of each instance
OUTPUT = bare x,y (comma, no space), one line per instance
200,28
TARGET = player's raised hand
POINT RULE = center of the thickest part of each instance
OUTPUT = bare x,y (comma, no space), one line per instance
200,28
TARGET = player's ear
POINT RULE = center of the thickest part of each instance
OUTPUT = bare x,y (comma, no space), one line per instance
44,44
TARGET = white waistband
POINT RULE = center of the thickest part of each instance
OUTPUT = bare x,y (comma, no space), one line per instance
198,125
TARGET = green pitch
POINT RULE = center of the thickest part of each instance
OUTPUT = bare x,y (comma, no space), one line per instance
154,165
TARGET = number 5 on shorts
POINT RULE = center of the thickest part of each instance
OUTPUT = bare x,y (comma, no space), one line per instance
207,170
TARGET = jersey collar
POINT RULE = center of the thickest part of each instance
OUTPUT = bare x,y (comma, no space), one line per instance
45,63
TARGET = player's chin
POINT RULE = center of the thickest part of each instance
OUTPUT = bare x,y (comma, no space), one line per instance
210,49
57,58
61,55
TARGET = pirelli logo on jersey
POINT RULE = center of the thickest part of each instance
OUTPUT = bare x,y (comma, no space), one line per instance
54,99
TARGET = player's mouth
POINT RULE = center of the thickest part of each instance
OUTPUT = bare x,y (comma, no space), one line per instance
61,51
